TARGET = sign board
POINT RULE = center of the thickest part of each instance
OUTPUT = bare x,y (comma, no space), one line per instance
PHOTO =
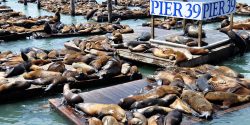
193,9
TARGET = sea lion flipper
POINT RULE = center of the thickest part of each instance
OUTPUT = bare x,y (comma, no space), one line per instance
24,57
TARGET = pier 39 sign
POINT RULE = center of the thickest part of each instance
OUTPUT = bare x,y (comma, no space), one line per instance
192,9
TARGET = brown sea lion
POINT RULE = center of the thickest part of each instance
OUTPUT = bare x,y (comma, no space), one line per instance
70,96
103,109
198,103
153,110
117,37
99,62
157,93
181,105
41,55
57,67
165,101
15,86
110,69
228,99
40,74
198,51
138,119
94,121
229,72
84,68
53,54
140,48
20,68
173,118
71,58
153,120
109,120
179,57
72,46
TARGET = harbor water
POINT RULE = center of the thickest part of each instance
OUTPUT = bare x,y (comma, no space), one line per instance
37,111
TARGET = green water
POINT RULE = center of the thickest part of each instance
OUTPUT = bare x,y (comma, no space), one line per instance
37,112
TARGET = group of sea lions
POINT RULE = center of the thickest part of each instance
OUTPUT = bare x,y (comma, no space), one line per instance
242,9
80,60
199,91
96,11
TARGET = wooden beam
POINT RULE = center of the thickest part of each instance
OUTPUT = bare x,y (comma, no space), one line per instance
109,11
25,2
38,4
200,33
152,27
72,7
231,21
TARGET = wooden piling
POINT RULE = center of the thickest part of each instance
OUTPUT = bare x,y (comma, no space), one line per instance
25,2
116,2
38,4
109,11
72,7
231,21
152,27
200,33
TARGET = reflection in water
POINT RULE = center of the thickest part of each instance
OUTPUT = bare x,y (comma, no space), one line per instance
32,112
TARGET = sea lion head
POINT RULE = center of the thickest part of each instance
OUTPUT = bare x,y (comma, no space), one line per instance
225,23
126,102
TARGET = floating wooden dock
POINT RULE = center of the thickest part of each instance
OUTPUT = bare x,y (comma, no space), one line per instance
112,95
218,44
38,91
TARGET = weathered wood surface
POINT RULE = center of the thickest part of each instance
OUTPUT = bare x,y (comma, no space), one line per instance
113,94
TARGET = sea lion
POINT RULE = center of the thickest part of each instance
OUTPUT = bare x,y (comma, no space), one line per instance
72,46
153,120
225,23
203,83
173,118
153,110
179,39
94,121
156,93
84,68
183,106
139,48
238,41
228,99
195,51
53,54
47,28
130,44
229,72
57,67
198,103
41,55
71,58
109,120
20,68
145,36
179,82
90,13
40,74
15,86
165,101
192,31
70,96
99,62
110,69
103,109
138,119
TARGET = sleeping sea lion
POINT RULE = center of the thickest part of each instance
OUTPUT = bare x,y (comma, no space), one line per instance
153,120
165,101
103,109
153,110
183,106
99,62
138,119
179,39
228,99
195,51
57,67
145,36
72,46
192,31
70,96
84,68
130,44
20,68
53,54
40,74
139,48
173,118
71,58
15,86
109,120
94,121
198,103
156,93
